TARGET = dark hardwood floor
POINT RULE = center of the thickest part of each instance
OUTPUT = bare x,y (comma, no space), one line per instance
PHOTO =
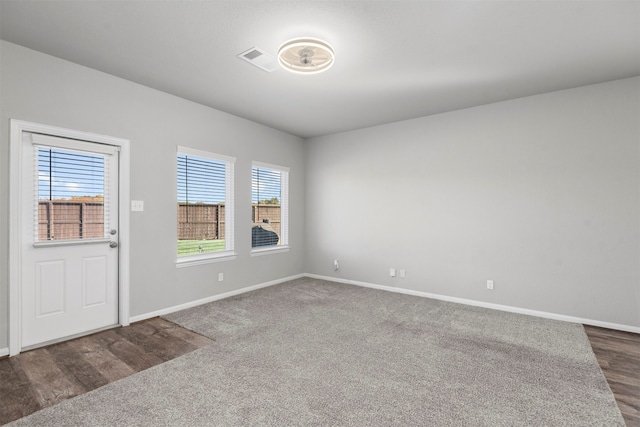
618,354
45,376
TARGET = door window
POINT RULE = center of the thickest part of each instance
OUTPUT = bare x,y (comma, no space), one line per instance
71,196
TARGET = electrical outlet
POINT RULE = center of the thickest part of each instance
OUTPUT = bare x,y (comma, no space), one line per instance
490,284
137,205
403,274
336,265
392,272
220,277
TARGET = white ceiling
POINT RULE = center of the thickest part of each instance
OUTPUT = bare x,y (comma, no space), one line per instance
395,60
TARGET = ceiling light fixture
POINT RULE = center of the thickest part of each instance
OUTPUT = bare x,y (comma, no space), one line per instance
306,56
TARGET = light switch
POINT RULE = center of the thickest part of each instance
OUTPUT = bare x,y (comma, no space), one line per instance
137,205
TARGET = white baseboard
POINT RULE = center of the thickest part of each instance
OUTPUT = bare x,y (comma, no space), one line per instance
210,299
475,303
500,307
511,309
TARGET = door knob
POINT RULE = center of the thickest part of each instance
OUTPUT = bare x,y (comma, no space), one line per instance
113,244
112,231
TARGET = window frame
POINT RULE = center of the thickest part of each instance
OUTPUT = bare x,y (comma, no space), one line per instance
229,252
74,148
284,245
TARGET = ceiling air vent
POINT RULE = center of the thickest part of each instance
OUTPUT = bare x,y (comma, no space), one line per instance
260,59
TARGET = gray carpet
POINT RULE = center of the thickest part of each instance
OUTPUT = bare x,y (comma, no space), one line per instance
316,353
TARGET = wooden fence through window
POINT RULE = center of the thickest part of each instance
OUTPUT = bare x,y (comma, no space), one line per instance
207,221
201,221
70,219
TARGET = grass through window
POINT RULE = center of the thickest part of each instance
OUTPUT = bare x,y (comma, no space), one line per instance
194,247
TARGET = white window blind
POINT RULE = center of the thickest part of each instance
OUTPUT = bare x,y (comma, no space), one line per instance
204,203
270,206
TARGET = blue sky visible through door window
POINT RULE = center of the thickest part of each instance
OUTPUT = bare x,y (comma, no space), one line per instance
67,175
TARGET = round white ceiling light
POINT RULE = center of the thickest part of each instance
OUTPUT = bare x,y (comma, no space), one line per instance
306,56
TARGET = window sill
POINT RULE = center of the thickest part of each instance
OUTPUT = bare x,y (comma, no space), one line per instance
269,250
49,243
188,261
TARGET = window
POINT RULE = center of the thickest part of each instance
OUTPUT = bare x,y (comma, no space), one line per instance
72,197
205,206
269,207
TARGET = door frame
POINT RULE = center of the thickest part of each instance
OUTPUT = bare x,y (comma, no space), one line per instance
17,127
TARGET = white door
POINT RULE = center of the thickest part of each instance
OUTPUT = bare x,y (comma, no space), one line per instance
69,259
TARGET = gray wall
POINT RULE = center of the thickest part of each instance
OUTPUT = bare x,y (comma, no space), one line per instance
540,194
39,88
